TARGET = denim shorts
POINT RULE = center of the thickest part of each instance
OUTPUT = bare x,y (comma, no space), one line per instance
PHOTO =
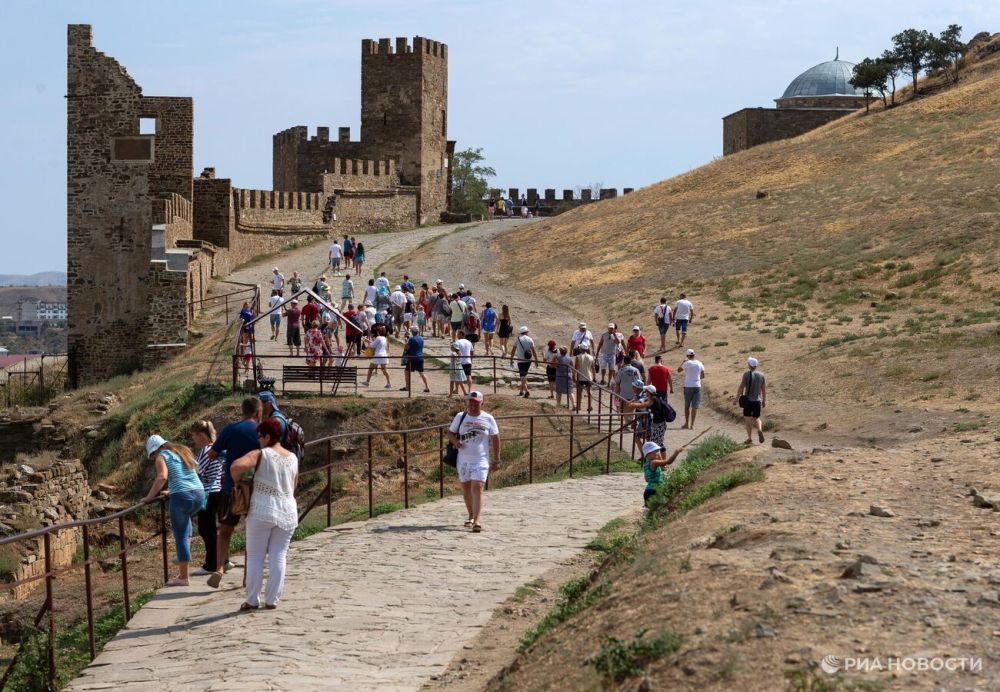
692,397
681,325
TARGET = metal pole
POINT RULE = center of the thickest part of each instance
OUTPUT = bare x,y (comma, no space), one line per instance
41,374
494,358
90,594
50,607
370,506
163,538
571,446
441,460
406,475
124,558
531,449
227,310
329,483
600,421
607,462
236,371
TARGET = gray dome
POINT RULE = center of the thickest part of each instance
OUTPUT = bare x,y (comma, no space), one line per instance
831,78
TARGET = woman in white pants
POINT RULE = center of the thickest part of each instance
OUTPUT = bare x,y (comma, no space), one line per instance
273,513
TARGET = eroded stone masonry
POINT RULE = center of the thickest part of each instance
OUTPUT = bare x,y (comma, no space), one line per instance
145,235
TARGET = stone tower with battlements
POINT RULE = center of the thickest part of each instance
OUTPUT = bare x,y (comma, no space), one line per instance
404,117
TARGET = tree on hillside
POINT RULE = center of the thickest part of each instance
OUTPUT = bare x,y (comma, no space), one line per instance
469,184
945,51
912,46
868,75
892,65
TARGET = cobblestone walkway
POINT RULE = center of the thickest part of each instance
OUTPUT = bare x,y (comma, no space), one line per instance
382,604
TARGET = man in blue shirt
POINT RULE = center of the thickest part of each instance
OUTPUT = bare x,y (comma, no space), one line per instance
413,358
235,440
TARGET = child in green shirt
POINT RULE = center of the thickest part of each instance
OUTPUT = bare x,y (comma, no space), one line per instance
654,458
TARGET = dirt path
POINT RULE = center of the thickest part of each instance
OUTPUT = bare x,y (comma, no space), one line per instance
383,604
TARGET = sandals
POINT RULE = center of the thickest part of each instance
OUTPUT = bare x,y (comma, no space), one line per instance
215,580
246,607
476,528
177,581
468,523
760,436
270,607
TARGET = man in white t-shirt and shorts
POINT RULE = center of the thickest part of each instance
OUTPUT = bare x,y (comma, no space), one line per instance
607,353
683,316
524,350
475,433
582,339
336,254
694,373
664,316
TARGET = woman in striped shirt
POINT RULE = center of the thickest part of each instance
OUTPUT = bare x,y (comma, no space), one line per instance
210,473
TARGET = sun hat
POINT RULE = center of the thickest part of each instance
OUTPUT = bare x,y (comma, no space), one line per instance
523,330
583,325
154,443
690,351
477,396
461,285
439,281
397,288
638,384
269,398
650,447
752,362
274,269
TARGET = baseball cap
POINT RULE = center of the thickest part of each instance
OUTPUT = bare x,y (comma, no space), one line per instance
552,342
439,281
636,328
274,269
461,285
583,325
690,351
523,330
153,443
650,388
478,396
650,447
611,325
752,362
269,398
638,384
294,300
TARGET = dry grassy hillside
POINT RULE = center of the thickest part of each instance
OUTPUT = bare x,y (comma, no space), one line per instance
869,273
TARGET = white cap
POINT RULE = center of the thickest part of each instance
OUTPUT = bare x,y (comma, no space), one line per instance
275,269
611,325
650,447
752,362
439,281
523,330
583,325
294,300
461,285
650,388
397,288
636,328
478,396
690,351
154,443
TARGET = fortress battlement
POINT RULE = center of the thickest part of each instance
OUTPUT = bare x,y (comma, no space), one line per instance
274,199
385,47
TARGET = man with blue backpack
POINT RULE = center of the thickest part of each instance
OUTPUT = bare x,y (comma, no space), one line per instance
658,412
293,438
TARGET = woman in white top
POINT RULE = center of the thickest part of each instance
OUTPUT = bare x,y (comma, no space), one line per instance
380,357
273,514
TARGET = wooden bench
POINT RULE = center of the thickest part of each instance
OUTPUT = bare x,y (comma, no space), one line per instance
322,374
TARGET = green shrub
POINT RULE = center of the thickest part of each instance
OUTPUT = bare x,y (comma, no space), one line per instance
619,660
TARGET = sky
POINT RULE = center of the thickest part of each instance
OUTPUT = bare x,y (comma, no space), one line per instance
558,93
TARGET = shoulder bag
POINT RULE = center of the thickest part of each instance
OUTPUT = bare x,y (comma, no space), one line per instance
451,451
239,502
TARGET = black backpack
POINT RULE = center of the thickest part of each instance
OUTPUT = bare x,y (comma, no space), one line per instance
293,438
661,410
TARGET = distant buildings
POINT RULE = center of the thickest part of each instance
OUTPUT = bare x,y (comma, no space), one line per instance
32,314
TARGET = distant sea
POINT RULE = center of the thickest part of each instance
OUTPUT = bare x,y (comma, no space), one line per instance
39,279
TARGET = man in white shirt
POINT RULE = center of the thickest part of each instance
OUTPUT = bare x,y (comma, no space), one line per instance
336,254
582,339
370,292
382,282
524,351
397,299
683,316
664,317
475,433
694,373
464,347
278,281
346,292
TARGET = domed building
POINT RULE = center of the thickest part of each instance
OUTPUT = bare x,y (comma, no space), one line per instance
820,94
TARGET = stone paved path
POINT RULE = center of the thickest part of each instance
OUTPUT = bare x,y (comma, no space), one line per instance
382,604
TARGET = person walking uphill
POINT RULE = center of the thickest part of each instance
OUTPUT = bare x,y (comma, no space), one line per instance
683,316
524,350
176,468
210,473
754,387
273,513
475,433
694,373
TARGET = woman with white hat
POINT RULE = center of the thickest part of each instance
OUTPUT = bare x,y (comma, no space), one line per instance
654,458
177,469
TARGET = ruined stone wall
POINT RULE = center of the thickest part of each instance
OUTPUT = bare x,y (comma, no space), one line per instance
359,174
108,213
168,311
46,497
177,215
371,210
282,211
173,161
214,221
753,126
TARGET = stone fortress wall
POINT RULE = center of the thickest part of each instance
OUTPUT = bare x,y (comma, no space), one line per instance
145,235
549,202
752,126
